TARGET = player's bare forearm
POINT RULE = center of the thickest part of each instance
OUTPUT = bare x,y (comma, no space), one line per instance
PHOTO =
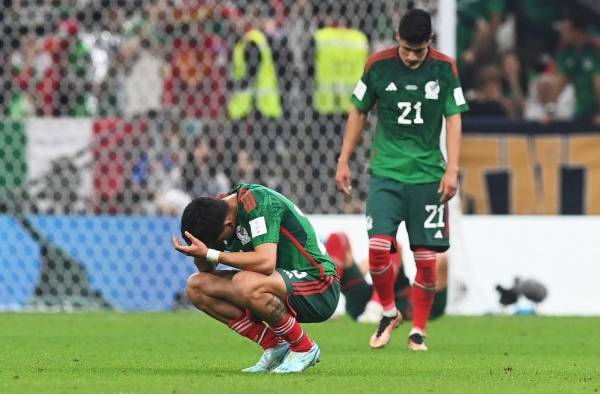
261,260
453,142
354,128
449,182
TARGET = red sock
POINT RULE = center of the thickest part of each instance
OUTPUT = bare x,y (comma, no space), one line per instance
375,297
423,291
254,330
396,263
291,331
381,270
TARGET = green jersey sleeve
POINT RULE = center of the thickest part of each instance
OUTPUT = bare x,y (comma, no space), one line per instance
263,218
454,100
364,96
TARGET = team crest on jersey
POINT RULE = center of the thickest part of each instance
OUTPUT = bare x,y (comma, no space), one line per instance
242,234
432,90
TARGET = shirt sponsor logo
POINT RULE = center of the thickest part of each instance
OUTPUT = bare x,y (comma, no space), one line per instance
391,87
459,97
411,87
242,234
360,90
432,90
258,226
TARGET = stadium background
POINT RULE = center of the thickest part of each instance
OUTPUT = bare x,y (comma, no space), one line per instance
114,114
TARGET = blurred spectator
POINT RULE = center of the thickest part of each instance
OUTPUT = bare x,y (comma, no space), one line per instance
18,76
541,105
172,202
245,167
340,54
168,170
201,173
255,87
514,84
578,61
142,56
535,35
195,79
301,25
121,165
261,69
104,39
487,99
478,21
64,74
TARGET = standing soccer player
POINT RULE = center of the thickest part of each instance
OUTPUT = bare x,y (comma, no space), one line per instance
285,276
414,87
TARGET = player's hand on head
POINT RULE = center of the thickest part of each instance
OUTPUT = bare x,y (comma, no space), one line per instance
197,248
448,187
343,178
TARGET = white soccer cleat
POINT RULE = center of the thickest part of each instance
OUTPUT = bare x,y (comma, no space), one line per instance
270,359
299,361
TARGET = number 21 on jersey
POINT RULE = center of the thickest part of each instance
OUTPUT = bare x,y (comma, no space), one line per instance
406,110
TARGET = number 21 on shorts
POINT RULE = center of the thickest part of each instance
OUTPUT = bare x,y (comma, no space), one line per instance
436,216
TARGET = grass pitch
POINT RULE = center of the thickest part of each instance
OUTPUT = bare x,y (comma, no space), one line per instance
190,353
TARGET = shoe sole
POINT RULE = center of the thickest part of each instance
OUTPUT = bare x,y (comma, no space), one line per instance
415,347
313,362
246,370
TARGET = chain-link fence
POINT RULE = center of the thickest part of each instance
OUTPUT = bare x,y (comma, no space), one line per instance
157,79
115,113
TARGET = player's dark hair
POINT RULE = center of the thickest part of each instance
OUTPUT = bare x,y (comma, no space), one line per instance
204,217
415,26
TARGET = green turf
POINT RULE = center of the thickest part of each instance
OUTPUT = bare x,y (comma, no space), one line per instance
188,352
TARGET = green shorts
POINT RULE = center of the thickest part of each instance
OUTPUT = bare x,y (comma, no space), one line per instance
311,299
390,203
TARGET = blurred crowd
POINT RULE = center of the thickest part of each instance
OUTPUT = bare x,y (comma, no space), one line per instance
169,64
533,60
537,60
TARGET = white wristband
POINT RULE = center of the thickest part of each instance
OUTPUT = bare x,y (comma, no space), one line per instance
212,256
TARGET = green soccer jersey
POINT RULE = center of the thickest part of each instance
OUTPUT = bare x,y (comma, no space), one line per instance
265,216
411,105
581,65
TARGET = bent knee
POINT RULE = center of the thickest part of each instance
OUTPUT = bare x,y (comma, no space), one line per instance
196,284
249,285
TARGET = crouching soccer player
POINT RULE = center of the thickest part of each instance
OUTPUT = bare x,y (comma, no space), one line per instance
285,276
